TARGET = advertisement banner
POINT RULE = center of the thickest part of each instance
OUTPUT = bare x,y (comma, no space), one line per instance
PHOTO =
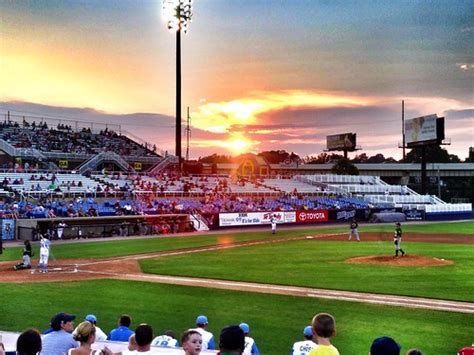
312,216
414,215
345,141
253,218
8,229
420,129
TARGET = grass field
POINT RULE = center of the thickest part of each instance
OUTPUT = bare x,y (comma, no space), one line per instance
276,321
104,249
321,264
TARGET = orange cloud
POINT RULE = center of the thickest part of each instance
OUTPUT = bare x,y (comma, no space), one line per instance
220,117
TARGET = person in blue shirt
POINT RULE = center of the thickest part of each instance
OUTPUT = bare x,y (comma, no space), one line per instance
123,332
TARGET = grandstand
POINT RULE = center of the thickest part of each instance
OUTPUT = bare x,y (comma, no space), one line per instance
56,170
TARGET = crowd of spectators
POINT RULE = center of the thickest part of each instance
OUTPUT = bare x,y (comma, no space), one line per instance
64,139
62,338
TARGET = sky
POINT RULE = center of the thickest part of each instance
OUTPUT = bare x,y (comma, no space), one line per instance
256,74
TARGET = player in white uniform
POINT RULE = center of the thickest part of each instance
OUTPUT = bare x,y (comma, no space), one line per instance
273,221
166,340
60,229
44,254
250,345
207,337
305,346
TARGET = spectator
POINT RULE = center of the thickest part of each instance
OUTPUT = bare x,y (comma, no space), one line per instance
192,342
85,335
167,340
122,333
132,343
99,334
384,346
28,343
59,340
207,337
324,327
143,337
232,340
250,345
304,347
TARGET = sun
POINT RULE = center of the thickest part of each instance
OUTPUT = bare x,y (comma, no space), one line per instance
237,145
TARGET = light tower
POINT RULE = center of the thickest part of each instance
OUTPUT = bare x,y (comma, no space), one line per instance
177,14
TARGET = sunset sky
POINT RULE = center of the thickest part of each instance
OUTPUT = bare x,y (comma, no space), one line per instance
257,74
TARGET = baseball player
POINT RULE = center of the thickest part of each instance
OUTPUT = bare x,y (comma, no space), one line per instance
273,221
207,337
44,254
305,346
250,345
166,340
27,254
354,231
60,229
397,239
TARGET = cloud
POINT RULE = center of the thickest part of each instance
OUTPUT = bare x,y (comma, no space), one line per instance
295,121
465,66
220,116
467,29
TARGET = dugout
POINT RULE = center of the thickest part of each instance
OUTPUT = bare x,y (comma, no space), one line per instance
103,227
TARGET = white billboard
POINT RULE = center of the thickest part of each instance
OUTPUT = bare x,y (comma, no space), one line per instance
421,129
253,218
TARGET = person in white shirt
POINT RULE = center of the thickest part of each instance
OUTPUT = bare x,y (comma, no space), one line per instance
44,254
99,333
305,346
207,337
143,338
167,340
60,229
250,345
273,221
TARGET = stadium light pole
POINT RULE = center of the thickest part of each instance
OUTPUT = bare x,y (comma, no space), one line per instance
178,14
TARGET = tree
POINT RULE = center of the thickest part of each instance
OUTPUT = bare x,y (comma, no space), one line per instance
360,158
279,156
344,167
215,158
323,158
434,154
376,159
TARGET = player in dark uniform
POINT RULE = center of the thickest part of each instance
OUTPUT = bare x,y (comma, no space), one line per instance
27,254
397,239
353,229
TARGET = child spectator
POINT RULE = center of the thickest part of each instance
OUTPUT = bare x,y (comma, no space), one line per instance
192,342
384,346
324,327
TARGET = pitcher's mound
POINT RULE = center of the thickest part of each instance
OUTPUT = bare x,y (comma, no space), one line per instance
407,260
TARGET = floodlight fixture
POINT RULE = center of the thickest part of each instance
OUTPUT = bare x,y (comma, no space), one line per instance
178,14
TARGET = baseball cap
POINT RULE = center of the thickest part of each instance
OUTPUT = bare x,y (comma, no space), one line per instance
466,351
308,331
91,318
201,320
245,327
385,346
61,318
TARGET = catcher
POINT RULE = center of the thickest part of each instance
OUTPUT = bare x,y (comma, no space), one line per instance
27,254
397,239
